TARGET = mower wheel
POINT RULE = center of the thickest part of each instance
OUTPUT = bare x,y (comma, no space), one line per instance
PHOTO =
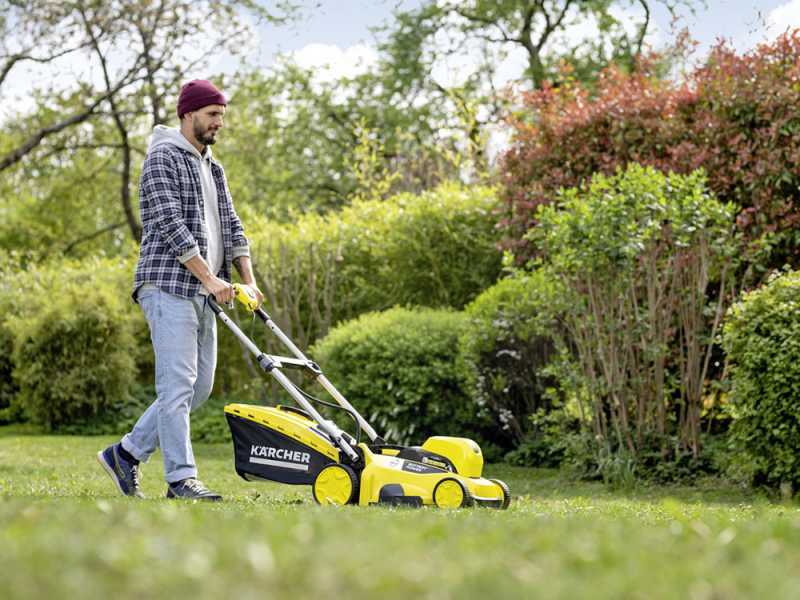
336,484
451,493
506,493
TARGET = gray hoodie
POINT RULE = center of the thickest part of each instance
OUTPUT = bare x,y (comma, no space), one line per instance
170,135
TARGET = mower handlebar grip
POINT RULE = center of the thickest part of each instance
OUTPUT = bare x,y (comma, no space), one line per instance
212,302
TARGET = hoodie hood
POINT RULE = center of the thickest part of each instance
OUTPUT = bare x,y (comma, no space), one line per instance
172,135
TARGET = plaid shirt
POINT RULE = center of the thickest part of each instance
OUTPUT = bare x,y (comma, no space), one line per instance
173,229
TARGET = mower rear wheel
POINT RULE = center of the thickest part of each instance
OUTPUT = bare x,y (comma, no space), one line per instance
335,485
451,493
506,493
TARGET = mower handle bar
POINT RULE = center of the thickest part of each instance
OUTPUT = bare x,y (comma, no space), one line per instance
273,364
249,302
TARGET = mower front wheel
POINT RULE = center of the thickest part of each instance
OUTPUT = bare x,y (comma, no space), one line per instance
451,493
335,485
506,493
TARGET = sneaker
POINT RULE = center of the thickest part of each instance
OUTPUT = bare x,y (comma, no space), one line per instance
124,474
191,489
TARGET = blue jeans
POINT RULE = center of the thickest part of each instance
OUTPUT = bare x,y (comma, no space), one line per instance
184,335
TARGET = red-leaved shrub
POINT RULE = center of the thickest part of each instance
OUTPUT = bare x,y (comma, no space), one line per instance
737,116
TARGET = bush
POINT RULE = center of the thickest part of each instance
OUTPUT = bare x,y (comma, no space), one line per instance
736,117
12,271
398,368
636,255
436,249
504,350
762,341
547,440
209,424
74,349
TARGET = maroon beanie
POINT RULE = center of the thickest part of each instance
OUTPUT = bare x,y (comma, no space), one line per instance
197,94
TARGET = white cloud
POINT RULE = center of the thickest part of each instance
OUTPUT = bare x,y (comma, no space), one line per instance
332,62
454,69
786,16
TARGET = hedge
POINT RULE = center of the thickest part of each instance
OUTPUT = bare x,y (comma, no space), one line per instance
74,340
735,116
435,249
762,341
76,346
399,369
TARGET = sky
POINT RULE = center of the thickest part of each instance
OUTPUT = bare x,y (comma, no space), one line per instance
336,33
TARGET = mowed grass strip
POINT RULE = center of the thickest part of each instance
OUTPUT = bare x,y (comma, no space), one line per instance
64,532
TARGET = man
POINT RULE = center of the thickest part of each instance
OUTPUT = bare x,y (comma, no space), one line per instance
191,236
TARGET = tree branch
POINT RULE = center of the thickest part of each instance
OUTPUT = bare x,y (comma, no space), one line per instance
93,235
13,157
644,27
125,176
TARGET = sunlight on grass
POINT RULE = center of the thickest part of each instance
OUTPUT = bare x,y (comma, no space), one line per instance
64,531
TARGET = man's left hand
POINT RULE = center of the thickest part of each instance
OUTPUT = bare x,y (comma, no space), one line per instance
257,292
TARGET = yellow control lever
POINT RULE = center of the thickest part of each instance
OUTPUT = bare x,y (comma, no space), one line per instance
246,296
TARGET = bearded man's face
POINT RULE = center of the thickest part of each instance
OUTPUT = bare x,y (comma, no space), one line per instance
206,122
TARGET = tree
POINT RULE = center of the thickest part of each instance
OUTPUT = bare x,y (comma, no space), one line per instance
297,142
154,41
538,28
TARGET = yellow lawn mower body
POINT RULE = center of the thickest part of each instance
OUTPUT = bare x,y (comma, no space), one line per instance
298,446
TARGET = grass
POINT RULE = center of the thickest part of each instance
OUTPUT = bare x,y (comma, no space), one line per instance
64,533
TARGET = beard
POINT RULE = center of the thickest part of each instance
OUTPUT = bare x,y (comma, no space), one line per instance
204,136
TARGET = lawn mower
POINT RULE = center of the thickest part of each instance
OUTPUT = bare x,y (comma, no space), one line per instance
296,445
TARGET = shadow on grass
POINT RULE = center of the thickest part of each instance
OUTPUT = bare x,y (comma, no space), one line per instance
21,429
555,484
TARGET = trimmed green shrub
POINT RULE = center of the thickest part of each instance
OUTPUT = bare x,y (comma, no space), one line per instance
762,341
436,249
398,368
9,410
505,350
74,346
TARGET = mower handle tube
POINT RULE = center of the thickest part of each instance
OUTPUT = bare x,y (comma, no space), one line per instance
273,368
329,387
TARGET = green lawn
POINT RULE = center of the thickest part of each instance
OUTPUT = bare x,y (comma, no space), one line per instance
64,533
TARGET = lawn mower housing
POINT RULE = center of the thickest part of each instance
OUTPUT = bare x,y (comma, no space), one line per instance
298,446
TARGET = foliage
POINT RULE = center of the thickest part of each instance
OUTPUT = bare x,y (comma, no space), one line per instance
547,441
620,469
636,254
58,204
9,411
298,142
74,341
136,55
762,342
399,369
735,116
209,425
434,249
505,349
538,31
559,539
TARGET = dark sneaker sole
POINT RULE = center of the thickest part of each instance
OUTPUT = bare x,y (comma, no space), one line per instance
172,496
110,470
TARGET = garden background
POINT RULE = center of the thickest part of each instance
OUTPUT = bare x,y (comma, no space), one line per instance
589,267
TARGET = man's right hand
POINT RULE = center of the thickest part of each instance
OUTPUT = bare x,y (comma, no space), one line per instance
221,290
